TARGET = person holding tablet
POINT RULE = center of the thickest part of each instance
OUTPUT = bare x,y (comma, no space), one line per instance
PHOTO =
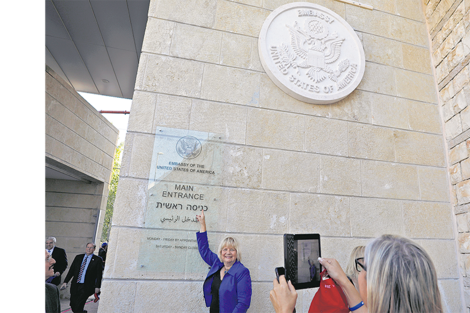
395,276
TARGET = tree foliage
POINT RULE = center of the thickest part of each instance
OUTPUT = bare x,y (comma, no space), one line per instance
112,193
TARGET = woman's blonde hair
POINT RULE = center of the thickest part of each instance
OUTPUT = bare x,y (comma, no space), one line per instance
351,272
229,242
400,277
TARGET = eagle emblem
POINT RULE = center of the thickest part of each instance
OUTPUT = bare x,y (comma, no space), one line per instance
188,147
314,49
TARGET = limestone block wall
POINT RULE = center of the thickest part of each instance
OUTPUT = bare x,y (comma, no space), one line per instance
449,30
81,143
370,164
76,134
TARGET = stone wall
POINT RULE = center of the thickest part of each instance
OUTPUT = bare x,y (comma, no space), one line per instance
449,29
370,164
77,135
80,144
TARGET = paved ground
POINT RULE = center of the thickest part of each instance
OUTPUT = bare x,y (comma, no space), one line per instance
90,306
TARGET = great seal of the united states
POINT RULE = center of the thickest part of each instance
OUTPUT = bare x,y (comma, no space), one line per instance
311,53
188,147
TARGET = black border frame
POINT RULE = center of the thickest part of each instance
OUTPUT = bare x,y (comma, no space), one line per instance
291,257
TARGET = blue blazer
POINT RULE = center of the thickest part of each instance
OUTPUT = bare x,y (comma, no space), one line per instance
235,289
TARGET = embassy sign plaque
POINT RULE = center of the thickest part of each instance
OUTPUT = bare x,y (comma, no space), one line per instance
311,53
184,179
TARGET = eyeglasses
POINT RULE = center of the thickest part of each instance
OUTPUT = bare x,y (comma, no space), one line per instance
360,264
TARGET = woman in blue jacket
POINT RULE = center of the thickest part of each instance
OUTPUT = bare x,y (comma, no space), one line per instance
227,288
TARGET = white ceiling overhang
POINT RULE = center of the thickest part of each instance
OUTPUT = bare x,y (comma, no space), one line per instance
95,45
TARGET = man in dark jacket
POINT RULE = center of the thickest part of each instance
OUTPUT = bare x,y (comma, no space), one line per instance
52,292
86,270
60,257
102,252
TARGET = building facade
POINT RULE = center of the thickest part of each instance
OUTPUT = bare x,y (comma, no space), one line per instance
389,158
80,145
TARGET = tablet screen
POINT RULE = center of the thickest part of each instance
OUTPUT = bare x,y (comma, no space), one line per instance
301,253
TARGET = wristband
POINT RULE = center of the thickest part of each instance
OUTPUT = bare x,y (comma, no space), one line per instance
354,308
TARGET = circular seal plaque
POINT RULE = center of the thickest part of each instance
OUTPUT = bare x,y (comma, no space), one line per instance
188,147
311,53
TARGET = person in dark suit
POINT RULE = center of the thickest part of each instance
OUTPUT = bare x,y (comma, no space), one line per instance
60,257
86,270
52,292
103,251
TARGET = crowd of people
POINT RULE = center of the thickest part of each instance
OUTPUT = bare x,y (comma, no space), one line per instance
84,275
395,275
392,274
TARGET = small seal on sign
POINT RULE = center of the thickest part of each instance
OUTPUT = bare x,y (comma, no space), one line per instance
188,147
